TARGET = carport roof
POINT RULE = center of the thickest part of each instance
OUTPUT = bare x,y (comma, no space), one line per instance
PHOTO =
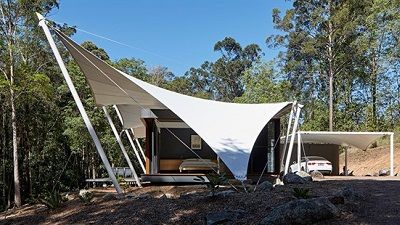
359,140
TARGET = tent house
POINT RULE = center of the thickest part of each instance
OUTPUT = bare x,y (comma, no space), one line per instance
182,133
168,139
185,135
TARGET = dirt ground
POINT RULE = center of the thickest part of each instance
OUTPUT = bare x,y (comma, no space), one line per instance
372,160
380,205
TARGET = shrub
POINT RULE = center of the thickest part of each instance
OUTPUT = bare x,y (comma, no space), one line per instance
85,196
301,193
215,181
51,200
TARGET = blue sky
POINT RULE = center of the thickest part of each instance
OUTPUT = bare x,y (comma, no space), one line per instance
177,34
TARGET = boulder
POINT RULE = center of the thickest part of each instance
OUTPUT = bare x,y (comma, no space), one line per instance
226,193
292,178
301,211
349,193
130,195
265,186
109,197
278,182
384,172
305,176
144,196
316,174
336,200
223,217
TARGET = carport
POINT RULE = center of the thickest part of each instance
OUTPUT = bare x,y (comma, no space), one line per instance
360,140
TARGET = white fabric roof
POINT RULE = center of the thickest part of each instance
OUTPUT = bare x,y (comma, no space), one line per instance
230,129
359,140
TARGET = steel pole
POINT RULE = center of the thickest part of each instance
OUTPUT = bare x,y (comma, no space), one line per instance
89,126
130,139
289,154
121,145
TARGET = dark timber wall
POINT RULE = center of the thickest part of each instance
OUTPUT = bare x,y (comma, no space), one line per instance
172,148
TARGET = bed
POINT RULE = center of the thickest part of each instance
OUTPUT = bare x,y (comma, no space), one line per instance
197,165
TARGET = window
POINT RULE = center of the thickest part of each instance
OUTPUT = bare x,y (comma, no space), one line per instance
195,141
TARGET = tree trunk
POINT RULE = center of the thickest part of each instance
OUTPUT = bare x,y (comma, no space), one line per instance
374,81
330,75
17,186
4,147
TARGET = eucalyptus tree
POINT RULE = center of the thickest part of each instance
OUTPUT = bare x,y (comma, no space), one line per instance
223,79
263,84
22,59
379,47
318,37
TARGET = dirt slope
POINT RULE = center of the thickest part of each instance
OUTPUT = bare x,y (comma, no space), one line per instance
369,162
379,205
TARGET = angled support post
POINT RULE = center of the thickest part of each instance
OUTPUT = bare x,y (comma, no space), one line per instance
391,155
130,140
295,127
346,171
89,126
138,144
287,135
121,145
298,150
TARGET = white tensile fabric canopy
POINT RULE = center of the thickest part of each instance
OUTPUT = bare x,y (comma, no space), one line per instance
360,140
229,129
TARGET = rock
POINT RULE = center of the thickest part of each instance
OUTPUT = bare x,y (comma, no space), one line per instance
384,172
301,211
130,195
265,186
144,196
336,200
226,193
188,195
169,195
349,193
109,197
292,178
278,182
223,217
305,176
249,187
316,174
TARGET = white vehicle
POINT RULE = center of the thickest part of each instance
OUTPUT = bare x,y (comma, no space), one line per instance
312,163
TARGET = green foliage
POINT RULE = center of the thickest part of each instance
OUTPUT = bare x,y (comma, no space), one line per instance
215,181
301,193
223,79
351,41
262,85
51,199
123,183
133,67
99,52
